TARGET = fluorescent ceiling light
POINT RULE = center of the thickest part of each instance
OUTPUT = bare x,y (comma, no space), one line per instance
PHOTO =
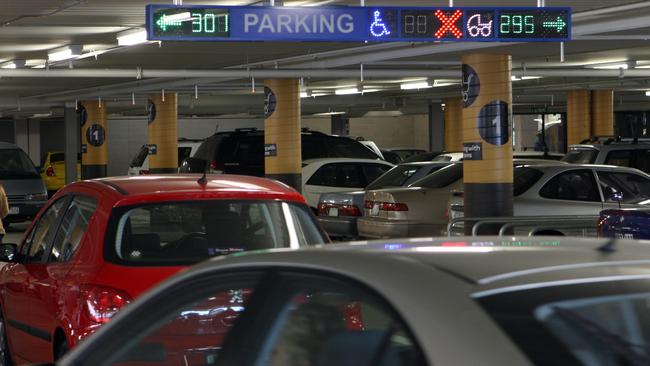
396,113
647,93
416,85
347,91
92,53
329,113
131,39
15,64
613,65
65,53
309,94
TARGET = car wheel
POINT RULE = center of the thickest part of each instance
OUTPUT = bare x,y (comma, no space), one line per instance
61,349
5,359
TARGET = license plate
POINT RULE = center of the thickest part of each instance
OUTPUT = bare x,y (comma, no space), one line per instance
375,210
14,210
333,211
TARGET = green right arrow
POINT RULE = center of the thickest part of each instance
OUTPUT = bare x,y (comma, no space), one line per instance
559,24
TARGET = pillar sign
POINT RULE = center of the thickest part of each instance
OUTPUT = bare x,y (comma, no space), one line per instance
357,24
487,130
91,116
162,119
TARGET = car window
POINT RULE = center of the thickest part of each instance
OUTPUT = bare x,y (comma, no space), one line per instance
574,185
170,233
44,231
581,156
395,177
373,171
139,158
524,178
250,151
642,159
634,187
327,322
345,175
441,178
343,147
15,164
72,229
183,153
619,158
313,147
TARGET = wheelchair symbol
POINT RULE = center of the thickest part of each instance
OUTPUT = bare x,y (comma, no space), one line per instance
476,28
378,28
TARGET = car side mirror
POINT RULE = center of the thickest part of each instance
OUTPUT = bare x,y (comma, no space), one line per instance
193,165
614,194
8,252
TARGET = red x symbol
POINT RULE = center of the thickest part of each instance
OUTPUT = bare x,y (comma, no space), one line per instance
448,24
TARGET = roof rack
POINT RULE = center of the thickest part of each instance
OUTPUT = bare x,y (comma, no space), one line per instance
608,140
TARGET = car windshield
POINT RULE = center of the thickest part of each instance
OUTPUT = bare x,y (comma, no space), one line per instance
180,233
524,178
581,156
15,164
441,178
138,160
399,176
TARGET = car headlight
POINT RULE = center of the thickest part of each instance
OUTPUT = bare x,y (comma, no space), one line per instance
36,197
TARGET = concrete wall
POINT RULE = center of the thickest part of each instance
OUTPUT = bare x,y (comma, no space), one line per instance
7,130
390,132
52,136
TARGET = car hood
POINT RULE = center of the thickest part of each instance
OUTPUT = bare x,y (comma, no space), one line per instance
19,187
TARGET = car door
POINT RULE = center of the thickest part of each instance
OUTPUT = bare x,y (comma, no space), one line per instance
333,177
27,315
572,192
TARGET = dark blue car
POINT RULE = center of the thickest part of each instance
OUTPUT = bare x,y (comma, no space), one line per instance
628,223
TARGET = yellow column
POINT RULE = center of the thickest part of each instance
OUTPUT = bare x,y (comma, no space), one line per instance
602,112
282,141
578,110
94,139
163,133
487,131
453,124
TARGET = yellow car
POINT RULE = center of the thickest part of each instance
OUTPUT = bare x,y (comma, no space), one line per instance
53,171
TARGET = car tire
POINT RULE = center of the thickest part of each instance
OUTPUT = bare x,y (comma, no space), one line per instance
60,349
5,358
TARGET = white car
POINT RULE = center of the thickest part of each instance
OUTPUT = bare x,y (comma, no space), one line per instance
338,175
140,163
451,156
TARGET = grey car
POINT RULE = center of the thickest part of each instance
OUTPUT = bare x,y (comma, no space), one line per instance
22,183
338,212
571,190
634,153
475,301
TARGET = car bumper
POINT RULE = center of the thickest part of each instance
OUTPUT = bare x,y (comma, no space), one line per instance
376,228
336,226
23,211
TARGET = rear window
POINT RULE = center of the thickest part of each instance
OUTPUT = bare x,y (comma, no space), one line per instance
396,177
581,156
345,148
524,178
183,153
138,160
15,164
182,233
441,178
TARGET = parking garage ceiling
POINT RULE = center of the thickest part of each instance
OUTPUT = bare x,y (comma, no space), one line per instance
605,33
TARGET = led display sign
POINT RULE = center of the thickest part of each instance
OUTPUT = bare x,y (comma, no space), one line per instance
357,24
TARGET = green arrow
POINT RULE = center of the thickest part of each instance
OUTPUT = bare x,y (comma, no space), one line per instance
163,23
559,24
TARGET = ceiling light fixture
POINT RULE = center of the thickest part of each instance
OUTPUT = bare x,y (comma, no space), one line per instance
14,64
64,53
132,37
613,65
647,93
347,91
416,85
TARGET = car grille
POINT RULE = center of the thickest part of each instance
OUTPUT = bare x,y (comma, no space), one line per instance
16,197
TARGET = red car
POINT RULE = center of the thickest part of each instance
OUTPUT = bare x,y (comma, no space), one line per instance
98,244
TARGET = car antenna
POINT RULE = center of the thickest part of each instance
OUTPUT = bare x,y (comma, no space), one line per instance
203,181
608,247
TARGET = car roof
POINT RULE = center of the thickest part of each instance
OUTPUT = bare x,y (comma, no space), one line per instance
426,163
555,166
172,183
487,265
344,160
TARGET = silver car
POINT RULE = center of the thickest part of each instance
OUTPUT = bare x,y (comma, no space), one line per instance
571,190
418,209
629,152
23,184
474,301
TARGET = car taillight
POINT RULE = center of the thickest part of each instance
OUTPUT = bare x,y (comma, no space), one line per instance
143,172
50,172
324,209
368,204
101,303
393,206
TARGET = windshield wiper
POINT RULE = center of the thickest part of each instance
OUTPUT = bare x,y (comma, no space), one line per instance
622,347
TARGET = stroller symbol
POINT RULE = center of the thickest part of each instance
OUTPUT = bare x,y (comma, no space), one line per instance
378,28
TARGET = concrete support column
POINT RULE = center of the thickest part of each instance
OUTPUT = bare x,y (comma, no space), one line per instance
94,139
602,112
282,141
71,123
453,124
487,131
436,127
163,133
578,109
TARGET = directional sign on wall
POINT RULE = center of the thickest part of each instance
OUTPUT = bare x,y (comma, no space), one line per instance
357,24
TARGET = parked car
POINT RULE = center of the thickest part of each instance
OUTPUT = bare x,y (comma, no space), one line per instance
634,153
425,156
99,244
338,212
372,146
23,184
53,171
625,223
458,156
242,151
140,163
449,156
471,301
406,152
417,209
391,156
572,189
338,175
